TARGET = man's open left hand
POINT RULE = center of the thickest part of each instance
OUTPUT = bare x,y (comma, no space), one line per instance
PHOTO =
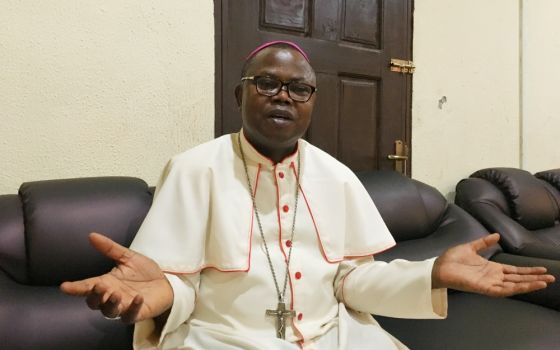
462,268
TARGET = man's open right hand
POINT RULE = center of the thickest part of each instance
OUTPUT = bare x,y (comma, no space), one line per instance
135,290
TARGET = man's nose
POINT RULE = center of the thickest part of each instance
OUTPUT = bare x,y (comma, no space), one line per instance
283,94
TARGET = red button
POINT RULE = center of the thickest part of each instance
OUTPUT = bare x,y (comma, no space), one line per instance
300,316
281,174
285,208
288,243
298,275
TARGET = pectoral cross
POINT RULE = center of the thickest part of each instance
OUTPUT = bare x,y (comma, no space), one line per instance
281,315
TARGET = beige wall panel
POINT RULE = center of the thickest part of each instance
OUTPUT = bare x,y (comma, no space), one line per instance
541,80
93,88
467,58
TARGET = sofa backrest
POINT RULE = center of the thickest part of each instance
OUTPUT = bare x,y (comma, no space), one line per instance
50,226
552,177
529,199
410,209
420,219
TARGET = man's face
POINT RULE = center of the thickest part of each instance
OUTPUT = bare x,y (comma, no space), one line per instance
274,123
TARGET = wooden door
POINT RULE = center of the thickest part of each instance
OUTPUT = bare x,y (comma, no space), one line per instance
362,107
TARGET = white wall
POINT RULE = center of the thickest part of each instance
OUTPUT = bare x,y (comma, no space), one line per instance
467,51
540,81
91,88
495,61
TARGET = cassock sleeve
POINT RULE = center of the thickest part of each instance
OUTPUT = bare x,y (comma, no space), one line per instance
399,288
185,288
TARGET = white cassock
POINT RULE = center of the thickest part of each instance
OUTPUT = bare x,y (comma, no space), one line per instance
202,231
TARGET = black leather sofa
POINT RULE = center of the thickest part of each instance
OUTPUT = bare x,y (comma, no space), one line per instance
424,225
43,241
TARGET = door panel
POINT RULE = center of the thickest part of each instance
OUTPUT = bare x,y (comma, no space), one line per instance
358,122
286,15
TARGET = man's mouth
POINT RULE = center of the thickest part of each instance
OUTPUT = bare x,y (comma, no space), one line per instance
281,116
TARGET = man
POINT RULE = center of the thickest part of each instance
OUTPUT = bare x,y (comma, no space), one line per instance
261,241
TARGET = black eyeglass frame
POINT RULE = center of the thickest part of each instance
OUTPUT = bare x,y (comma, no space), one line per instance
254,79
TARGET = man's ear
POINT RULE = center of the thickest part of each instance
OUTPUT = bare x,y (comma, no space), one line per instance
238,95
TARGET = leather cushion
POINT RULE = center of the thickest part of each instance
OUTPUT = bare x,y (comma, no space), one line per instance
482,323
13,258
410,209
551,176
530,202
59,215
39,317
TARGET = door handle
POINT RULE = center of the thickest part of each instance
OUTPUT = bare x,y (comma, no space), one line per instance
397,157
400,157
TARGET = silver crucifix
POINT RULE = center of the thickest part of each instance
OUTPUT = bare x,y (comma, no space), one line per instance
281,315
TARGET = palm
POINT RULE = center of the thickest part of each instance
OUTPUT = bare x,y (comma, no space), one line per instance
462,268
136,288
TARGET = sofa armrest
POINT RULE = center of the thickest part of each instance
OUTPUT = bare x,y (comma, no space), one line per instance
34,317
550,296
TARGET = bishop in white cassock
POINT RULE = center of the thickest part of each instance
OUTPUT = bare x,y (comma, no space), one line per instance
220,273
259,240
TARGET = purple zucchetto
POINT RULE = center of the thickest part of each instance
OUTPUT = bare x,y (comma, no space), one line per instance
270,43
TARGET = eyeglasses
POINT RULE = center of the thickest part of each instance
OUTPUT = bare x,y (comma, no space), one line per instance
268,86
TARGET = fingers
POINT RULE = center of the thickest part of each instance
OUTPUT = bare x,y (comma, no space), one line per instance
528,278
104,299
79,288
516,280
113,303
130,315
110,248
485,242
536,273
128,312
537,270
111,308
509,289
